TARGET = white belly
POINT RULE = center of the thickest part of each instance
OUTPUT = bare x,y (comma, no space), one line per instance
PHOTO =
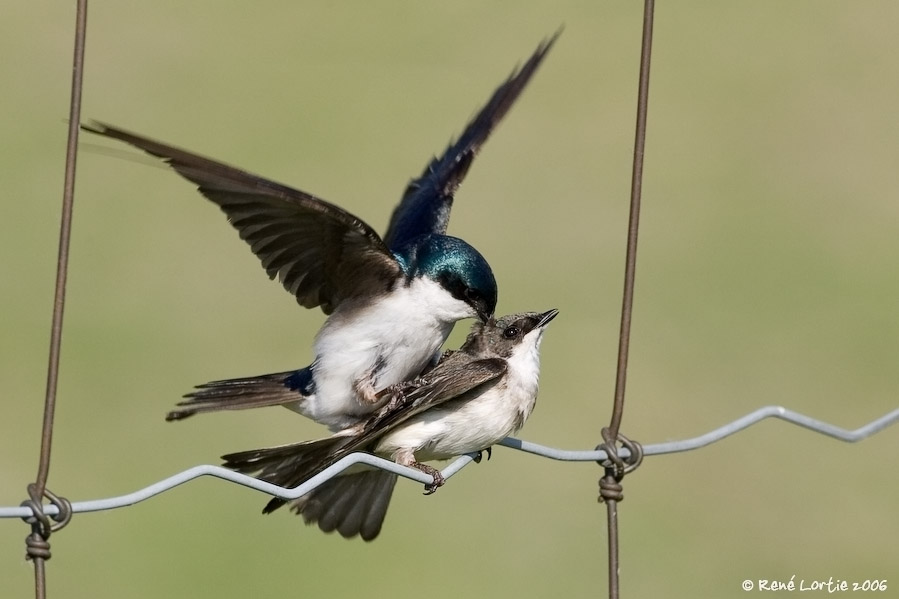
383,344
458,427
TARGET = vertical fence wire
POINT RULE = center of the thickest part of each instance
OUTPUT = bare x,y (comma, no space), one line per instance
38,548
610,484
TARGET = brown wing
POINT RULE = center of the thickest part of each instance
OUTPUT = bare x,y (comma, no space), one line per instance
456,376
320,253
290,465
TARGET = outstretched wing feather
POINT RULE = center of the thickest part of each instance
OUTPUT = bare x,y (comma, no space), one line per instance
319,252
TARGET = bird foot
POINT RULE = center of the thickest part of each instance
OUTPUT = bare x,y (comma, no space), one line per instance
480,454
397,394
438,477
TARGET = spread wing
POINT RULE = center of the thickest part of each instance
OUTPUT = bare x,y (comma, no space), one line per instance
427,201
320,253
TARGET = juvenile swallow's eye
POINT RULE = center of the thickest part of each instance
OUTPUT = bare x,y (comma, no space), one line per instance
511,332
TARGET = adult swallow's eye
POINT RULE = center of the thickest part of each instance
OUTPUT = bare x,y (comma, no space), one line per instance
511,332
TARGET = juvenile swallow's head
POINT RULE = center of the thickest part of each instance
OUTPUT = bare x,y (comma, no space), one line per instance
509,335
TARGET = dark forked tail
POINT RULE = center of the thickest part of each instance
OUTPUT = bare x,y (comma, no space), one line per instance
241,394
352,503
289,465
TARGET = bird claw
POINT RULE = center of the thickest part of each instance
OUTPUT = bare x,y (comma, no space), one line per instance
439,480
397,393
480,454
397,399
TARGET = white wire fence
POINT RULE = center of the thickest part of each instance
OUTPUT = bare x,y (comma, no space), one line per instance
596,455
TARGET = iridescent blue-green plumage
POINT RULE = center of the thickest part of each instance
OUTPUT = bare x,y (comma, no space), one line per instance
460,268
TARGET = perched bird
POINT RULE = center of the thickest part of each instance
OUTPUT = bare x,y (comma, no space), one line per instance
391,302
473,398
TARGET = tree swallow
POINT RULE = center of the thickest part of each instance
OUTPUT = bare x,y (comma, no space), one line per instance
391,302
473,398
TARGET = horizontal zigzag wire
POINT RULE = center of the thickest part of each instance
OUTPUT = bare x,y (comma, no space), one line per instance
722,432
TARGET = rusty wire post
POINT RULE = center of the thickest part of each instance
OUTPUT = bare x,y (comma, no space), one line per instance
615,467
38,548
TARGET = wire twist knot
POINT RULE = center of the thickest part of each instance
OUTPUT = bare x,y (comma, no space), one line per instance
616,467
37,545
610,489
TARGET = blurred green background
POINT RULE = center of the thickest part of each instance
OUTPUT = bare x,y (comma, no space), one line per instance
767,275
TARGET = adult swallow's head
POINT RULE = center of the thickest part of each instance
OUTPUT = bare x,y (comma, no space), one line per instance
457,267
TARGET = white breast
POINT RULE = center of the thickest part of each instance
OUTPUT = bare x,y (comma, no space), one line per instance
391,340
457,428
